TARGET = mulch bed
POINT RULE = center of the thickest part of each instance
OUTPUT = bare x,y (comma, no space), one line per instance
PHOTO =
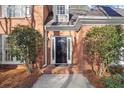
94,80
17,78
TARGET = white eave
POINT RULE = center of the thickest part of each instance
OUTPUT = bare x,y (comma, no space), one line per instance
85,20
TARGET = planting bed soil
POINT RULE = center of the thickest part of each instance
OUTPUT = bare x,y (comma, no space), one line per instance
17,77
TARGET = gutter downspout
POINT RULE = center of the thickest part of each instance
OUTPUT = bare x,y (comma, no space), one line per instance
45,48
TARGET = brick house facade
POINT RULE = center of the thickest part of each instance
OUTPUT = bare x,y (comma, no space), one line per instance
63,27
69,35
11,16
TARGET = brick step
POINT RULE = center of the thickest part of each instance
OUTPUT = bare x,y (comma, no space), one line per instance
60,70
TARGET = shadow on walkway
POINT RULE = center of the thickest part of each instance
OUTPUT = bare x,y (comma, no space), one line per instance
67,82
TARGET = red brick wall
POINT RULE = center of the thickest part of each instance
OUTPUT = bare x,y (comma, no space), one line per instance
36,20
77,42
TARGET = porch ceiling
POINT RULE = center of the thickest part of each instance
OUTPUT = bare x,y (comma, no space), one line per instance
84,20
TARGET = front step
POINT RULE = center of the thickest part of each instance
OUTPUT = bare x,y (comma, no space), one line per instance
52,69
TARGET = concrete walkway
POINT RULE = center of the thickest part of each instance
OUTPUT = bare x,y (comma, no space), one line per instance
62,81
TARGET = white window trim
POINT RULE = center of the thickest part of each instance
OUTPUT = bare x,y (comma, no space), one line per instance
58,9
25,15
62,16
53,60
3,54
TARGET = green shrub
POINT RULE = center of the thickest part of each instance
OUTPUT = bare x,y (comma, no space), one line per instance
25,43
114,81
116,69
103,43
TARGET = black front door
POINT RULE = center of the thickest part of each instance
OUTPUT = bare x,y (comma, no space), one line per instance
61,50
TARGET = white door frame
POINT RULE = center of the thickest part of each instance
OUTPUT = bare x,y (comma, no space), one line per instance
53,45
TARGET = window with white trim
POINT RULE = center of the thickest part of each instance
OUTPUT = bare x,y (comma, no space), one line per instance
16,10
61,13
5,52
60,9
